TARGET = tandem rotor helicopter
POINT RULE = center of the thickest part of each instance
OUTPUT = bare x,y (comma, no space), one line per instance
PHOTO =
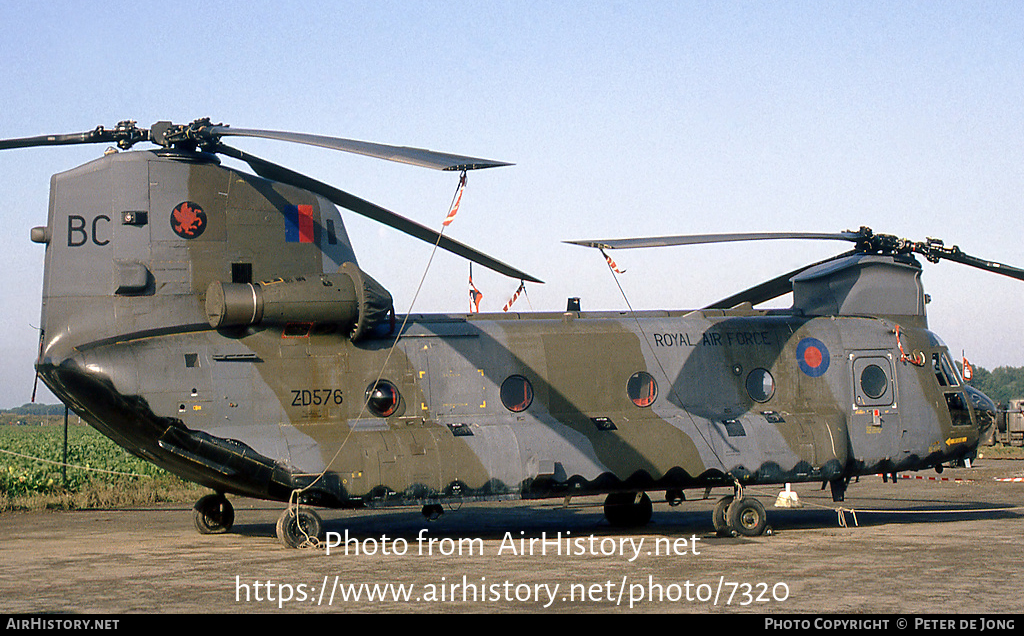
217,323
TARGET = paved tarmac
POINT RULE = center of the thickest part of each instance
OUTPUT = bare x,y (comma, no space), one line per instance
920,546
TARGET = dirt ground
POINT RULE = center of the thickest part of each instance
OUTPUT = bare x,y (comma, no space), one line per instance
918,546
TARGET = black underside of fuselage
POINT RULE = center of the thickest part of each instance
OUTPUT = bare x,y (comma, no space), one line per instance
223,465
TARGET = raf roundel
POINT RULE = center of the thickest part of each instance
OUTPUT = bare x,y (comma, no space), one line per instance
188,220
812,356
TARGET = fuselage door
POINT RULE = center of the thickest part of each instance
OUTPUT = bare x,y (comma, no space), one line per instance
874,385
876,429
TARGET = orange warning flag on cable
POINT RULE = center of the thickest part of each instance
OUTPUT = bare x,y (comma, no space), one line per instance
475,296
515,296
458,200
968,369
611,263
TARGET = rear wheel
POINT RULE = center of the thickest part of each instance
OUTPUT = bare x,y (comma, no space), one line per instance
213,514
718,518
747,517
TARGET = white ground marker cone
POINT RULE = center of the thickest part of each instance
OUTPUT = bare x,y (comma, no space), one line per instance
788,499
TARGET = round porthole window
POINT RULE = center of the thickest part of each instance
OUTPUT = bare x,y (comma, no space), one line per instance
642,389
873,381
516,393
760,385
382,398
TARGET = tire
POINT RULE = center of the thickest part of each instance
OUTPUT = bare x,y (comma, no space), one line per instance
299,528
718,518
747,517
213,514
628,509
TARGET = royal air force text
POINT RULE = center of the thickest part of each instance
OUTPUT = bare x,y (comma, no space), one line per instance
714,339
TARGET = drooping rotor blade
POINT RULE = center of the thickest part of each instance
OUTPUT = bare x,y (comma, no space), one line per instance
402,154
932,249
699,239
370,210
933,252
770,289
781,285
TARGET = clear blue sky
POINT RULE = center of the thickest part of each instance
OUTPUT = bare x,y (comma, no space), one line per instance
623,119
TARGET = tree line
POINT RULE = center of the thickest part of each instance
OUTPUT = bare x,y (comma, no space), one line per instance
36,409
1002,384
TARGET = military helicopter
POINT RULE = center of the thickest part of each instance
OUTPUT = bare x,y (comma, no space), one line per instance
217,323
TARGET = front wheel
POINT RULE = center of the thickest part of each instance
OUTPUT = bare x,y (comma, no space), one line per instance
298,528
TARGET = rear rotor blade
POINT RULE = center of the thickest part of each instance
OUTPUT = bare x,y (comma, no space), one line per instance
125,134
370,210
52,140
402,154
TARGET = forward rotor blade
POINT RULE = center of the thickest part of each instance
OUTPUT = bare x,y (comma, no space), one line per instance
954,254
402,154
770,289
373,211
698,239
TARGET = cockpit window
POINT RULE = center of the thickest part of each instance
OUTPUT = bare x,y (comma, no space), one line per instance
945,370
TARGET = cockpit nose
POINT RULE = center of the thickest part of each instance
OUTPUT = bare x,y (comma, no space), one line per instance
984,413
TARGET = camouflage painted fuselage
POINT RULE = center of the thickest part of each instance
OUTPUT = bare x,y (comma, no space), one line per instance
478,406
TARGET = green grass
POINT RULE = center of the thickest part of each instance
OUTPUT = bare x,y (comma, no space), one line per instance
110,477
100,473
1001,451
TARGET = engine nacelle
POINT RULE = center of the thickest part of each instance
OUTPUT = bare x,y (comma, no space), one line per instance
349,298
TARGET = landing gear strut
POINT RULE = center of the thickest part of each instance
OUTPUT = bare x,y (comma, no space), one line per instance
213,514
740,515
628,509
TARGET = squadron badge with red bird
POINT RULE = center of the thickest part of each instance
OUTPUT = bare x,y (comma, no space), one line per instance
188,220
